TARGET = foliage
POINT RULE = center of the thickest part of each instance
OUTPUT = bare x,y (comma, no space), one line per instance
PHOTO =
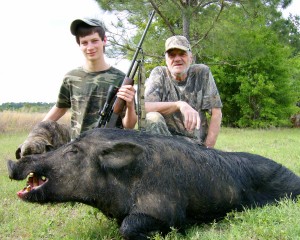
256,83
26,106
252,50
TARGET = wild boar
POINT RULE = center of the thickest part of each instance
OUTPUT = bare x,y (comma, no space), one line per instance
151,183
44,137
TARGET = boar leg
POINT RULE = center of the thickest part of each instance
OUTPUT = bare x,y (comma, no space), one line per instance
140,226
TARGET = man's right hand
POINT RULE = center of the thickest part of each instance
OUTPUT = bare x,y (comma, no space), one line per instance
190,115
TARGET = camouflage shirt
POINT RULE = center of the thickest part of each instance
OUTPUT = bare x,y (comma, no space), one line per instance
198,90
85,93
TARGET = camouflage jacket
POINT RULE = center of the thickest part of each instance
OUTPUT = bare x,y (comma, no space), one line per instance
199,90
85,93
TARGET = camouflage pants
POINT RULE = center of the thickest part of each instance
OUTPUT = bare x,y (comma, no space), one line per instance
156,124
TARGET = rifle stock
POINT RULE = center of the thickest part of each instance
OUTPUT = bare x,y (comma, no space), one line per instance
119,104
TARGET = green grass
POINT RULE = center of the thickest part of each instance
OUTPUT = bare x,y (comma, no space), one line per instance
21,220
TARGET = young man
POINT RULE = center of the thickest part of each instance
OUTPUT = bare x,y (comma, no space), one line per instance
84,90
178,96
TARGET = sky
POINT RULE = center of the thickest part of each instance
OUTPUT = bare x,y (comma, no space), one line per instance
37,48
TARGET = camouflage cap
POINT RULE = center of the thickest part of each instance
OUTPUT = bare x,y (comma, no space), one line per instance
89,21
178,42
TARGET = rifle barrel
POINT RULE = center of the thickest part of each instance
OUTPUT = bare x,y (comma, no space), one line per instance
140,44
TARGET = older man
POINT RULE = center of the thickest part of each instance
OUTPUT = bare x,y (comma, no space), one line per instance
179,96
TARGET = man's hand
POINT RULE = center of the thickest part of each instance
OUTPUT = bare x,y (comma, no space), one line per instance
190,115
127,93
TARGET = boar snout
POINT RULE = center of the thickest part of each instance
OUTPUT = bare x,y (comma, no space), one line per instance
15,172
10,168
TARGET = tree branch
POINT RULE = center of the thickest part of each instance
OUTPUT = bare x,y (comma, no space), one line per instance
213,24
169,25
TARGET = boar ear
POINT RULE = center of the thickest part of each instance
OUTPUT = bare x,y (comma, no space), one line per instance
120,154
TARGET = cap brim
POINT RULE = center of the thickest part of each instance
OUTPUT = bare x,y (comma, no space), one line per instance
177,47
74,25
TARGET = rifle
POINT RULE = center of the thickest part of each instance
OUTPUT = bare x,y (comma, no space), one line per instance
118,105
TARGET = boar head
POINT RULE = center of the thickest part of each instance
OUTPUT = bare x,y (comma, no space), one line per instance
84,170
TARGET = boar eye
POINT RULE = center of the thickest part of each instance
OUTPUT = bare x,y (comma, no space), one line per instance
70,153
74,151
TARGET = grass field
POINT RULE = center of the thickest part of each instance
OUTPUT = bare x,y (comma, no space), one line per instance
21,220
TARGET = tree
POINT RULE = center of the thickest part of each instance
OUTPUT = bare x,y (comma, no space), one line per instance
255,76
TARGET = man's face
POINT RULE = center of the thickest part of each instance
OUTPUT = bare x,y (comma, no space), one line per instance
92,46
178,63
